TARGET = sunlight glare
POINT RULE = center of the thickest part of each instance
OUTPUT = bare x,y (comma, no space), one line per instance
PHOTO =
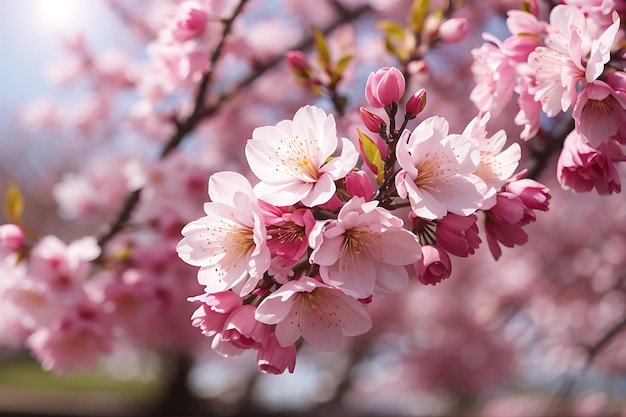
58,14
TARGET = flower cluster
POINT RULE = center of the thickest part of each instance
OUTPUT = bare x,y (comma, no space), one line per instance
301,253
572,64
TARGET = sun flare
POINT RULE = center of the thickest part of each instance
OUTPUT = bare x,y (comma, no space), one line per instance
58,14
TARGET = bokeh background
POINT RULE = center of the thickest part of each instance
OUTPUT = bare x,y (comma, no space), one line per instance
541,332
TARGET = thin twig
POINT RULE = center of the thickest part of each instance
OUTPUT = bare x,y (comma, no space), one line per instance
202,110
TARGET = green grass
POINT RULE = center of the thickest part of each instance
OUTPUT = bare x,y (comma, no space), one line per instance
28,374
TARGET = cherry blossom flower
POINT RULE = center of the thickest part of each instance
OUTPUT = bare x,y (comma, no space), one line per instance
495,79
533,194
318,312
458,234
573,52
290,159
366,247
76,341
496,165
11,239
600,113
275,359
434,266
288,233
437,171
504,223
229,243
211,316
189,21
582,167
243,331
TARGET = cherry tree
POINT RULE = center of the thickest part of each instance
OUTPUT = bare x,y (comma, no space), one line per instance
385,191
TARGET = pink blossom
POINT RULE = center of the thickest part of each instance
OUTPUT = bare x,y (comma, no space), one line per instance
496,165
437,171
372,121
243,331
359,184
318,312
495,79
59,269
453,30
504,223
275,359
529,109
11,238
600,114
229,243
211,316
75,341
458,234
416,103
290,159
434,266
533,194
558,65
365,248
581,167
189,21
289,235
385,86
298,60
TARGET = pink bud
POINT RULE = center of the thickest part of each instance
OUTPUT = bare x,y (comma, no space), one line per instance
434,265
297,60
11,237
454,30
189,22
533,194
243,331
358,184
384,87
372,121
416,104
458,234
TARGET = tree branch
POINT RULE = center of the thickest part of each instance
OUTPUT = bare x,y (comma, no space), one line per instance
202,110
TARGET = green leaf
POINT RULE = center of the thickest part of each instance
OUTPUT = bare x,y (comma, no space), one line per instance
321,47
372,156
393,30
397,41
341,66
14,204
417,15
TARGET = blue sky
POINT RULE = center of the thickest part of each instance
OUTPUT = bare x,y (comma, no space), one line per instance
30,34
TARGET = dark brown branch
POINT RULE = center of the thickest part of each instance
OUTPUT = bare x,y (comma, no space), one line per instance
182,130
201,110
549,146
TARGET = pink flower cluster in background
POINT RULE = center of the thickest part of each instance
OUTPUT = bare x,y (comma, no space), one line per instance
572,64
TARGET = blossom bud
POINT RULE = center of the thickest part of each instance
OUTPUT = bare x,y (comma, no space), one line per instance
434,265
358,184
373,122
533,194
415,104
243,331
11,237
454,30
458,234
189,23
274,358
297,60
384,87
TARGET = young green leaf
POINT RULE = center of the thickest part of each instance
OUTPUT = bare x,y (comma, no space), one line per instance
371,155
